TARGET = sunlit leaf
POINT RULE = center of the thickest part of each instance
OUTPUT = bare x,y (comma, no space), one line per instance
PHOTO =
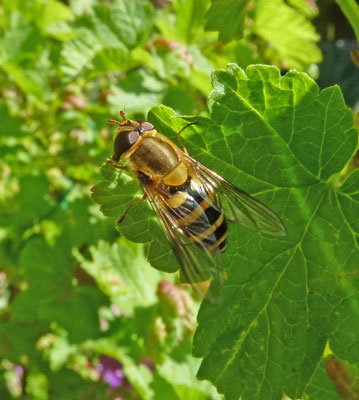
288,32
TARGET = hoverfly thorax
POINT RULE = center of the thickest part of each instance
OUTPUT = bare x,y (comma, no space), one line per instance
149,153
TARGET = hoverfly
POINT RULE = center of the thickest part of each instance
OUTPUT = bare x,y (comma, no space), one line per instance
194,203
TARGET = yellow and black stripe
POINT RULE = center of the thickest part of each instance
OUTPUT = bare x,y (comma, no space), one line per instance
200,219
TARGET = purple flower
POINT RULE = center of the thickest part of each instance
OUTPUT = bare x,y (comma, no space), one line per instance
19,370
111,370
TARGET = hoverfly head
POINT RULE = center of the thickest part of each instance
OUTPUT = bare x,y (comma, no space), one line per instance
126,136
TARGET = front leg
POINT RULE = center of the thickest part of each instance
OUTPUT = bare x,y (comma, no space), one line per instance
113,165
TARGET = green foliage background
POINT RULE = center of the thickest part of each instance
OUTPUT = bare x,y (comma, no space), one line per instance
73,289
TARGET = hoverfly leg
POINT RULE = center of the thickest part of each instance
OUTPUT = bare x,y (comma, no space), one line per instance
144,197
114,122
180,141
112,165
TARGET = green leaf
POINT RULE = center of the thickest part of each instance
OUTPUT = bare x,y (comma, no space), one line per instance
137,93
24,58
79,54
177,379
308,8
69,385
19,338
227,17
10,125
190,18
28,205
279,311
104,39
132,21
123,273
290,34
282,140
141,378
51,297
43,12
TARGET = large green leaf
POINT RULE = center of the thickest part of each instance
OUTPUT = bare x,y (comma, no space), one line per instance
282,140
284,299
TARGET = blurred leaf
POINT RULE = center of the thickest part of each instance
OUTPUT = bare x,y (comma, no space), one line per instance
37,385
81,7
141,378
54,12
51,296
24,58
190,18
289,33
178,380
241,52
22,340
179,100
10,125
140,91
123,273
227,17
31,203
79,54
307,7
131,20
68,385
105,38
43,12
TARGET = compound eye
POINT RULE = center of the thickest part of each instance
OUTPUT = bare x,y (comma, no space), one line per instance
146,126
123,142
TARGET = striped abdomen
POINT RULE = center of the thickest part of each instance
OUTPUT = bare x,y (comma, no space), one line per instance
199,217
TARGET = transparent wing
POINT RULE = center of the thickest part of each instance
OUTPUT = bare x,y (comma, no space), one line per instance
238,206
197,265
